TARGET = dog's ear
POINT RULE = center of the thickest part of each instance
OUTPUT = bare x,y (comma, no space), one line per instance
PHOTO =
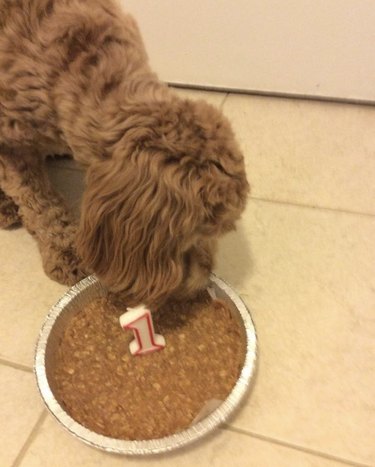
223,192
135,219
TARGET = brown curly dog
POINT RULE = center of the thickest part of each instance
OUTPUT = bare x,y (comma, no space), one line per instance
165,177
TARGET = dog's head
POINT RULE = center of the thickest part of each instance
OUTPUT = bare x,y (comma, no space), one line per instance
153,210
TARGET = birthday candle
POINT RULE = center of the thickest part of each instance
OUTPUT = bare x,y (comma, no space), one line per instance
139,320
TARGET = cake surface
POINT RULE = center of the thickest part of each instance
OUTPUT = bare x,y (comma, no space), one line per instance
103,387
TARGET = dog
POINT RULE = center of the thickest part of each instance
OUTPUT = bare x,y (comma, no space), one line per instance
165,177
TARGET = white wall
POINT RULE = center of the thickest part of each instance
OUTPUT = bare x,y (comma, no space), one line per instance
305,47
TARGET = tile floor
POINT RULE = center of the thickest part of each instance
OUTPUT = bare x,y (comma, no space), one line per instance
303,258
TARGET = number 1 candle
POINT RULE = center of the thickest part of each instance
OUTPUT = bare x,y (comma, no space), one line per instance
139,320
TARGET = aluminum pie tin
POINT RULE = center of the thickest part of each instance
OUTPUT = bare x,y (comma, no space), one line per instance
70,304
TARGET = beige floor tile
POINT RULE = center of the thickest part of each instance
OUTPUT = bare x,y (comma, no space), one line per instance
309,279
26,293
53,447
307,152
19,410
70,183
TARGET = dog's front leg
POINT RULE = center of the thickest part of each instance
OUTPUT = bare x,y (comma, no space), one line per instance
43,212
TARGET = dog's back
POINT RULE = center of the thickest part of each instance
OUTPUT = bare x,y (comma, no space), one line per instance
54,50
26,112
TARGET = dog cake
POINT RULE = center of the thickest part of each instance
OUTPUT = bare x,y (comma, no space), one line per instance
103,386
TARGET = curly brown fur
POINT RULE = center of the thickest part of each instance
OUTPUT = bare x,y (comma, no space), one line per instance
8,212
165,177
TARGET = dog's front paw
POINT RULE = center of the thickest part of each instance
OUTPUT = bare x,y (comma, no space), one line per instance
8,212
62,264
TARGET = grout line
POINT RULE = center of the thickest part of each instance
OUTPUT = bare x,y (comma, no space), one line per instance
21,454
294,447
275,94
311,206
16,366
221,106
